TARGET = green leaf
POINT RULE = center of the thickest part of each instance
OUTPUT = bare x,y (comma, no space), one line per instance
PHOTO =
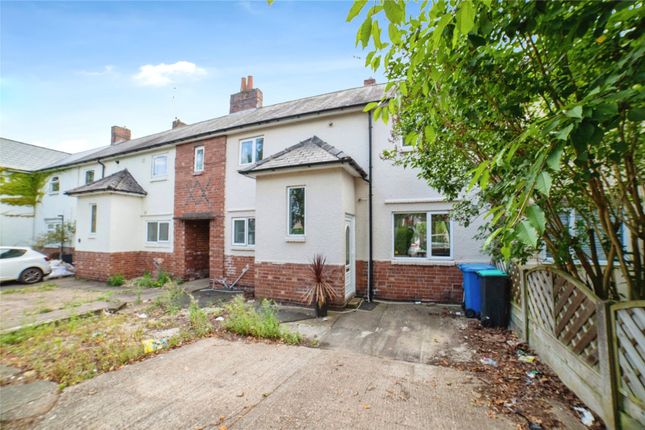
575,112
370,106
564,133
356,9
438,31
394,33
466,17
553,160
526,233
636,114
364,32
394,11
543,183
536,217
376,36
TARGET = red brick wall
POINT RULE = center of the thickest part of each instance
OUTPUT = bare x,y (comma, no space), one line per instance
99,266
406,282
233,266
200,193
288,283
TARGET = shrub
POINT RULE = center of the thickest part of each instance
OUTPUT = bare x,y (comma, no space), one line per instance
199,322
171,301
147,280
245,320
116,280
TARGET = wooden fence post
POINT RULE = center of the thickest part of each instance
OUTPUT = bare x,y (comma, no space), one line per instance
524,305
607,364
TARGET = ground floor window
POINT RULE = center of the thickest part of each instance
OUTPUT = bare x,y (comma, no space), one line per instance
413,239
158,231
296,211
244,231
93,215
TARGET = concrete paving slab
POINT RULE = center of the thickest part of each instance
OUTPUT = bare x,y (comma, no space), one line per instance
260,385
25,401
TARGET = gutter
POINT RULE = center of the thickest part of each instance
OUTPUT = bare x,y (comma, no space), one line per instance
370,262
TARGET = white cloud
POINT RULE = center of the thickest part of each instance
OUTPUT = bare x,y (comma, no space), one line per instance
107,70
159,75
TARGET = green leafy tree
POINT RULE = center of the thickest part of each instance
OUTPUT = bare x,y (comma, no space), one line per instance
62,233
22,188
535,111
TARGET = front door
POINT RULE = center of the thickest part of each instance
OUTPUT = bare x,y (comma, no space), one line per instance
350,257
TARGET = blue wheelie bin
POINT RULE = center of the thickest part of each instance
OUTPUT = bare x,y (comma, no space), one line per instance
472,295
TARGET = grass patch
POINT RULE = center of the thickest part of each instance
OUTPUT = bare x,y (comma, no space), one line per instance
199,321
26,290
244,319
116,280
148,281
172,299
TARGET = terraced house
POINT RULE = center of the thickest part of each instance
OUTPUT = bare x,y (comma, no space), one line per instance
260,191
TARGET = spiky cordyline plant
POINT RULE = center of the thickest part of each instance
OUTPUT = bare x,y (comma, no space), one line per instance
321,291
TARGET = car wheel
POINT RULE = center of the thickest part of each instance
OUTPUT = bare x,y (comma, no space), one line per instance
31,275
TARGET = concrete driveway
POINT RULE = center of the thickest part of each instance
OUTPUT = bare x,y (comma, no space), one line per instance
241,384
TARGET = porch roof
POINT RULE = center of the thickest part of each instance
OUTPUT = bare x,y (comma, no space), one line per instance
308,153
119,182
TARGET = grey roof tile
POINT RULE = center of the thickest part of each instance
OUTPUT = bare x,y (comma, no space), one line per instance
306,153
24,156
121,181
309,105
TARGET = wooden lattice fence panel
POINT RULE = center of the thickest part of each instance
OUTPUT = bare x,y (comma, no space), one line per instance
630,333
540,299
575,315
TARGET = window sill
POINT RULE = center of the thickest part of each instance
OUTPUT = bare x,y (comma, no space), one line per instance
53,193
406,148
157,245
242,248
198,173
447,261
158,178
295,239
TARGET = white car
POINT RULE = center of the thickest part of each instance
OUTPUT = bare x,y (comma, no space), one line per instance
23,264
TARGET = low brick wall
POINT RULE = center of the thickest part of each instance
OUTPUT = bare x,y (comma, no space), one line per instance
98,266
233,266
288,283
411,282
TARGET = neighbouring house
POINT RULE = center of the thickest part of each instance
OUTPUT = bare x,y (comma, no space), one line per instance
265,188
17,225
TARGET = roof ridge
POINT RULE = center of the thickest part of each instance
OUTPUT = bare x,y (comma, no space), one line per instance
35,146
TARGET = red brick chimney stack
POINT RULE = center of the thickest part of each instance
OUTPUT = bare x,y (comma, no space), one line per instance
369,81
119,134
247,98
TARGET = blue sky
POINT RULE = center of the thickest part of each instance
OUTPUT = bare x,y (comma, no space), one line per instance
69,71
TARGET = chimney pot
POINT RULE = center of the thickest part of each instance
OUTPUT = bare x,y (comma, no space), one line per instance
119,134
369,81
249,83
243,85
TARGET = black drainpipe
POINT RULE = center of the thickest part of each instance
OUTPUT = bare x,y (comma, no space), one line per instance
102,168
370,263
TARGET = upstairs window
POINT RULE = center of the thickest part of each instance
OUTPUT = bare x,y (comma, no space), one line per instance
89,176
158,232
244,231
54,185
199,159
159,166
296,211
251,150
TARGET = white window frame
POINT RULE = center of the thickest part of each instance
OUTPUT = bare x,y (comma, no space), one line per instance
197,169
152,167
51,185
158,241
254,143
429,256
403,147
304,233
94,215
245,220
85,176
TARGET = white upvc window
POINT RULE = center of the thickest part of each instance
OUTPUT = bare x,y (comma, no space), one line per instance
89,176
296,211
160,166
199,159
93,217
422,235
54,184
251,150
243,232
158,232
